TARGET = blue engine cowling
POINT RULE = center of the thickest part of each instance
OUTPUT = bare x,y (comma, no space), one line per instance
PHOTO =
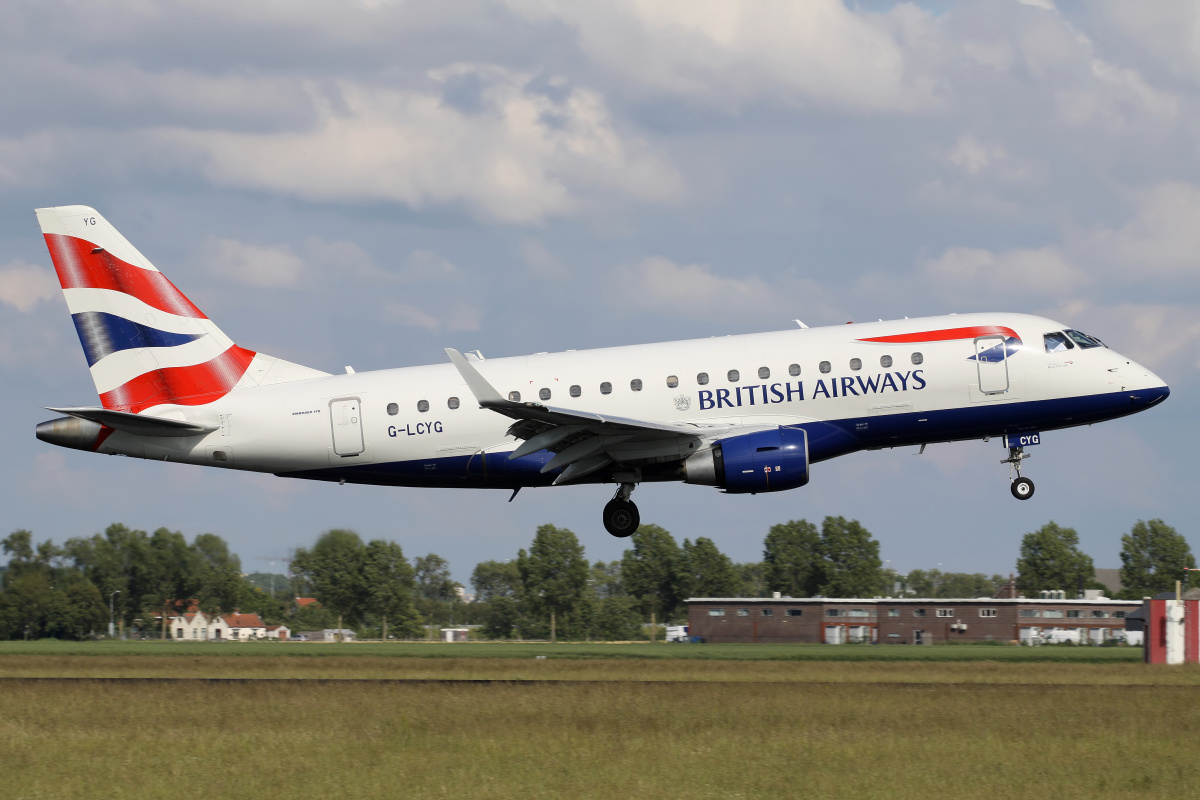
764,461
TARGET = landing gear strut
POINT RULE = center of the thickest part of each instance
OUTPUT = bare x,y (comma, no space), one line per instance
1022,488
621,516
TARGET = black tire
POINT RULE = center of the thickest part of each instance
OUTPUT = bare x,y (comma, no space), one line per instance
1022,488
621,518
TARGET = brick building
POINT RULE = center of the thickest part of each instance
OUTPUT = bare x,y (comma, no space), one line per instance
906,621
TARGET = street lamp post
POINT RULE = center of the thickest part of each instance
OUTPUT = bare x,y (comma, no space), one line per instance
111,624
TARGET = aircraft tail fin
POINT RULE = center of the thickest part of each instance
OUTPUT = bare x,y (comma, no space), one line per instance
146,344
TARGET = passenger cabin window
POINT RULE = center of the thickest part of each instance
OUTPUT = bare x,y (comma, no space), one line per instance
514,396
636,384
544,393
734,376
576,390
917,358
672,381
885,361
825,366
1057,342
606,388
393,409
702,379
856,364
794,370
764,373
1083,340
422,406
452,403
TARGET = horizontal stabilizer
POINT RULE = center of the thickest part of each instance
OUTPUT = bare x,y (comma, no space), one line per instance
137,424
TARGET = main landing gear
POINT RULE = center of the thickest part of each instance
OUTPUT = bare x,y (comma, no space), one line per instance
621,516
1022,488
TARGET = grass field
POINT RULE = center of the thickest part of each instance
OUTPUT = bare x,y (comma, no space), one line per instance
615,722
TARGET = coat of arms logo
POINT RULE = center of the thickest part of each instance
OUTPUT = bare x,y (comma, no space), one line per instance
683,402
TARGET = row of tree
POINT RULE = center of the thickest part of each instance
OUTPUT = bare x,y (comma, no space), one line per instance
547,591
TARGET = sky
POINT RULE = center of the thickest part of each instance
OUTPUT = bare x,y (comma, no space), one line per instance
367,182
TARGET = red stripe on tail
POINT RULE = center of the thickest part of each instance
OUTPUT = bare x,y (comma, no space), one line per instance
185,386
79,268
946,335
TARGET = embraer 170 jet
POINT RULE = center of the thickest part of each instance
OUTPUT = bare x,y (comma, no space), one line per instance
745,414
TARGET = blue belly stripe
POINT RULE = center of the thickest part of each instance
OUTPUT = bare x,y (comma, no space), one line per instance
103,334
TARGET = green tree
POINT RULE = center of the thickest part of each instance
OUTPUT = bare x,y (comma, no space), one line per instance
1153,557
650,573
1051,559
218,577
26,605
554,573
80,612
791,558
606,579
753,579
436,592
704,571
495,579
390,583
334,568
850,565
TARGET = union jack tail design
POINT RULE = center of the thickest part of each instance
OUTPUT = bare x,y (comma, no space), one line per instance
146,344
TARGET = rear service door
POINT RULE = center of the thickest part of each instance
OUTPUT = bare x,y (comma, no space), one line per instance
992,362
346,416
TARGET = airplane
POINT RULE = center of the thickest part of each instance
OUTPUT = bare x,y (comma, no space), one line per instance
744,414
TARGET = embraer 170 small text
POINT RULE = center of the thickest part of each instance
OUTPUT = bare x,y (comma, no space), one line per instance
745,414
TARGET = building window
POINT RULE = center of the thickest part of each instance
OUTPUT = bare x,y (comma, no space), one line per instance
514,397
576,390
893,612
794,370
857,612
917,358
945,612
885,361
422,406
833,612
1074,613
1030,612
1052,613
716,612
672,381
1103,614
452,403
768,612
702,379
764,373
606,388
636,384
393,409
987,612
918,612
856,364
795,612
743,612
825,366
544,393
733,375
1118,615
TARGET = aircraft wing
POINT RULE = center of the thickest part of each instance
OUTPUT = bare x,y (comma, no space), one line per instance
583,441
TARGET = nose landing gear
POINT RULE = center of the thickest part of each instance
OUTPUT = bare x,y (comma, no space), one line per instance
621,516
1022,488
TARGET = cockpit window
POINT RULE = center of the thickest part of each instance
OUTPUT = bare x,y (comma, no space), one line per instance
1057,342
1083,340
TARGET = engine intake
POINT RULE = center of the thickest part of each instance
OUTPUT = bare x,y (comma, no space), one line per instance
764,461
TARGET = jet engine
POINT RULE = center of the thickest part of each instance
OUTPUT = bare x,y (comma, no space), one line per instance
764,461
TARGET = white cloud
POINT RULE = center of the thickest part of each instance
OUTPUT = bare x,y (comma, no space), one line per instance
541,262
672,289
424,266
521,157
340,258
731,52
973,275
253,265
972,155
458,316
24,285
1162,238
1162,336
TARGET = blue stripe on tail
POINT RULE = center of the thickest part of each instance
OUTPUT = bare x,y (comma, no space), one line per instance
103,334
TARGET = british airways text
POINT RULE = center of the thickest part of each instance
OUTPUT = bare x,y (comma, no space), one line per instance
767,394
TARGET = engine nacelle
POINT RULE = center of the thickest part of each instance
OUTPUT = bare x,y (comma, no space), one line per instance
765,461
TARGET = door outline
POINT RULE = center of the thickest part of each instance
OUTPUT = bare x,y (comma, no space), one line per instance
345,419
992,374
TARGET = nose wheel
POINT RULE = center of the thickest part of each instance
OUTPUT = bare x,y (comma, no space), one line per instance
621,517
1022,488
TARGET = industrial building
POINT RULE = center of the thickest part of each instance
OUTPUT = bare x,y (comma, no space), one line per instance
890,620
